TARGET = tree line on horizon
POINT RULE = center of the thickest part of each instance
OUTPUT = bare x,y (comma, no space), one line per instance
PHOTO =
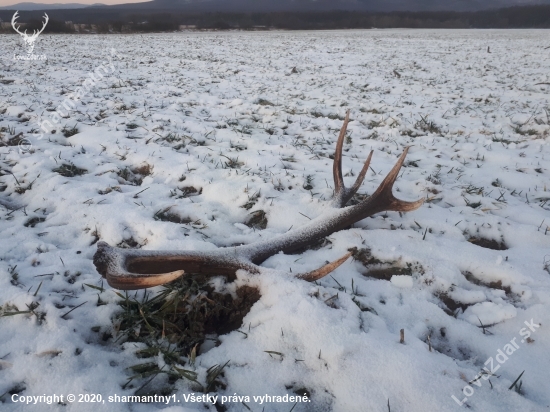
514,17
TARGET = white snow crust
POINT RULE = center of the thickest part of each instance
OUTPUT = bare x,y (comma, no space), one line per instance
185,104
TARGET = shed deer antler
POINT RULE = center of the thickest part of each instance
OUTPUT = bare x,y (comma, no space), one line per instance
138,269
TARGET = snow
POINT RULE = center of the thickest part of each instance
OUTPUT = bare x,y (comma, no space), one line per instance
490,312
402,281
189,104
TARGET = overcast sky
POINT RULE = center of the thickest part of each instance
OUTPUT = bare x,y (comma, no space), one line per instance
4,3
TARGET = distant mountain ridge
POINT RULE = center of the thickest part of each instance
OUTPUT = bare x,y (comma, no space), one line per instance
291,5
26,6
324,5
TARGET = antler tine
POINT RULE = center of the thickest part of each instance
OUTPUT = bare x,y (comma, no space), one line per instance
384,193
131,281
361,176
339,188
323,271
342,195
349,193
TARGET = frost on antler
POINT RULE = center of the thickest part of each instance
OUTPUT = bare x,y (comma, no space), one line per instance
137,269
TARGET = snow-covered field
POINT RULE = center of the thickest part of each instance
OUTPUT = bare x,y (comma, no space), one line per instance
197,125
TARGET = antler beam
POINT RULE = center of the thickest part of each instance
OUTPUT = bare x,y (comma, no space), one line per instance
137,269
